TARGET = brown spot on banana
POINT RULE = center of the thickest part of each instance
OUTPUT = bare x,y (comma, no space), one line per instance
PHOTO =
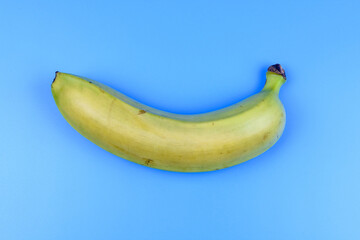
266,136
148,162
141,112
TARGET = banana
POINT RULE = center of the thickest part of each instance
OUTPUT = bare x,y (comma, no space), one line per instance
168,141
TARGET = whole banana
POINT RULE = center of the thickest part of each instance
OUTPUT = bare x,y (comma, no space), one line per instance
168,141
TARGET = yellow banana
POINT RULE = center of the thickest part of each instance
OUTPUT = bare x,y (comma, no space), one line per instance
168,141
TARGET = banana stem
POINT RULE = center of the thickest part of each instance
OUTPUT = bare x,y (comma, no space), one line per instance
275,78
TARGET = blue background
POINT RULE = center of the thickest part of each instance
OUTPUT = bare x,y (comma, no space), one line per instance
182,57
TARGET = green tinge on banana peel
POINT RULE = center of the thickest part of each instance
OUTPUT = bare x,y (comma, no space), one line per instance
168,141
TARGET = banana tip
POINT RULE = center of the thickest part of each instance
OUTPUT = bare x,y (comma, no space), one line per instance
277,68
54,78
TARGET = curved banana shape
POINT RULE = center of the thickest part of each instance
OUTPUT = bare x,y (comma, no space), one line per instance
168,141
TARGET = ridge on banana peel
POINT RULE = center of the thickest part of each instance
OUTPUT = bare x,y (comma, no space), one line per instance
168,141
